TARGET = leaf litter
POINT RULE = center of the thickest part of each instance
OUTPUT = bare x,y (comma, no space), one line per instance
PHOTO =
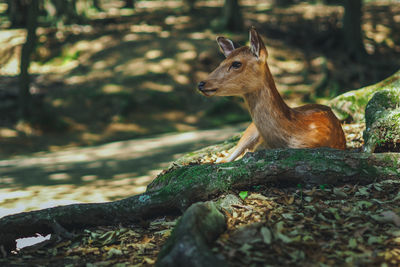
134,245
325,226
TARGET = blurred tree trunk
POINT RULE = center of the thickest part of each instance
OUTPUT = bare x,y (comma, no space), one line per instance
283,3
129,4
232,16
16,11
25,98
65,11
352,31
189,5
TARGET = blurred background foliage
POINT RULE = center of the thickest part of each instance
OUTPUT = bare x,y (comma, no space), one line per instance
81,72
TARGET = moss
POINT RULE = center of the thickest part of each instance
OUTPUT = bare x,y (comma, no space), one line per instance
312,166
165,177
351,105
382,117
392,164
297,156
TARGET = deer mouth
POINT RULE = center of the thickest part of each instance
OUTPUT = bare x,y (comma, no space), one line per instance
208,92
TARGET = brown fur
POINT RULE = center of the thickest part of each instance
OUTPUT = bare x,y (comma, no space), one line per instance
275,124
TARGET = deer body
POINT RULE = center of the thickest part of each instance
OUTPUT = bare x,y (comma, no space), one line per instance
245,73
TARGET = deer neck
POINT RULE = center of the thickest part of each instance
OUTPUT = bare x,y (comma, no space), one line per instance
270,114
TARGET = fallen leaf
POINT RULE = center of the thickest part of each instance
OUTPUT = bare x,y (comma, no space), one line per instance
256,196
339,193
374,240
243,194
390,216
308,199
288,216
245,248
387,217
363,204
113,252
360,232
362,191
297,255
267,235
149,261
290,200
352,243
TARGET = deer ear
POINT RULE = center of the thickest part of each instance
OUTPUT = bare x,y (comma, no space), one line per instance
257,45
225,45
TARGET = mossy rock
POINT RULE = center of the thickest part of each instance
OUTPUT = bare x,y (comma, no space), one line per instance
382,118
350,106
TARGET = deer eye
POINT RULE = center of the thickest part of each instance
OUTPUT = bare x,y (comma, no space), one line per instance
236,64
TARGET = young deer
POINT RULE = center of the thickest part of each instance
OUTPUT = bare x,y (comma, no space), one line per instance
245,73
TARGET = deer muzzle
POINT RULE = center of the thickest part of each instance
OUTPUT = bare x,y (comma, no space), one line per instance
204,90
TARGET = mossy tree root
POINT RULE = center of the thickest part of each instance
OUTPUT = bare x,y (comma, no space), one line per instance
178,188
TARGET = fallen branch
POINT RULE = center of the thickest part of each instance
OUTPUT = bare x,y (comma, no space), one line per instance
178,188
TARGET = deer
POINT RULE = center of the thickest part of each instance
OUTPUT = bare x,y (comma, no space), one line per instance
245,73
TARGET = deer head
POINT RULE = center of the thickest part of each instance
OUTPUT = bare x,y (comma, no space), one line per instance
241,72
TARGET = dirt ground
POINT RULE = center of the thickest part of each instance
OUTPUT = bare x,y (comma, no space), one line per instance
95,174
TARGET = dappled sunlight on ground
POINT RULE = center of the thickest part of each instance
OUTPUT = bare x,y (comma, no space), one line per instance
94,174
122,75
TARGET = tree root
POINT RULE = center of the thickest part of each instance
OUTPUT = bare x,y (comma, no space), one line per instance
176,189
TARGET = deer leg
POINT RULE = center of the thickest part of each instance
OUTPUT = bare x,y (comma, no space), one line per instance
250,140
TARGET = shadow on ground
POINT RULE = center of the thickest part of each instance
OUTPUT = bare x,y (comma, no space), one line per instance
123,77
101,173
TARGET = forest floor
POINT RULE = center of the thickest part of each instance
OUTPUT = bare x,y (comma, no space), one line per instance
132,75
98,173
320,226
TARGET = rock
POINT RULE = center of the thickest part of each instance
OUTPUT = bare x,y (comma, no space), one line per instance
382,118
350,106
191,240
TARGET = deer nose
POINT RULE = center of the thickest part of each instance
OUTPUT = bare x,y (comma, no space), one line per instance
201,85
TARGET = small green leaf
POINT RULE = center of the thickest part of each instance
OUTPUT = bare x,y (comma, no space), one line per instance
323,186
364,204
374,240
243,194
352,243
